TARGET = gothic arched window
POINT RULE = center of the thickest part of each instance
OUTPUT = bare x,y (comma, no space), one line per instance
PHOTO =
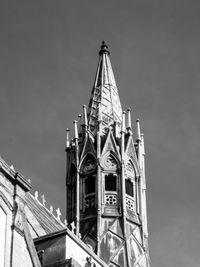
129,187
89,165
111,189
110,182
89,184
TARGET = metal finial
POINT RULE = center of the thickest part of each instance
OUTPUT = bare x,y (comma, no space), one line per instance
104,49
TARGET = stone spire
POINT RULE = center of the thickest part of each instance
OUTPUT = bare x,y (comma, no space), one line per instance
106,192
104,97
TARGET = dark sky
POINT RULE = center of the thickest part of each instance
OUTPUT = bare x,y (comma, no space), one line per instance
48,58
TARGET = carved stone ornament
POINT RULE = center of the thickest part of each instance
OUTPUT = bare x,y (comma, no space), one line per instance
18,221
89,166
110,162
89,201
18,224
129,167
89,262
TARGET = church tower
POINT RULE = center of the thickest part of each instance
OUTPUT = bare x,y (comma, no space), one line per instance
106,188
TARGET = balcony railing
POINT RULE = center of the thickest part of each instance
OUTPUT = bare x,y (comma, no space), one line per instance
89,201
130,204
111,199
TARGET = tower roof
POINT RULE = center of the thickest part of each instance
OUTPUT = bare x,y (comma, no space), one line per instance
104,102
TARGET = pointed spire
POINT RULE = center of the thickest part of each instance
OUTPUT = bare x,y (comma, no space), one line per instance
143,156
139,143
129,128
142,141
85,123
79,124
75,130
138,130
124,122
79,121
104,94
67,138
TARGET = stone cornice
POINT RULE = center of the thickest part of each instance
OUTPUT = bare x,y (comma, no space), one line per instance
15,177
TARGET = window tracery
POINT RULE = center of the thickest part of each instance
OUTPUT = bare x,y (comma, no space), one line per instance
109,162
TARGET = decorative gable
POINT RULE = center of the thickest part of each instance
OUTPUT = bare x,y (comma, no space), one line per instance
88,147
89,164
110,145
109,162
129,169
131,158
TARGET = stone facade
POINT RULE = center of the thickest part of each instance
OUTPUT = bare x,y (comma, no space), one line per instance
106,222
31,235
17,244
106,188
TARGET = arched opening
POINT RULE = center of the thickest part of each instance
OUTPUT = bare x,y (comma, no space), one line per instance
129,187
88,183
110,182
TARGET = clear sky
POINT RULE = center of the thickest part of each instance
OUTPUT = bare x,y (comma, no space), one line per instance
48,58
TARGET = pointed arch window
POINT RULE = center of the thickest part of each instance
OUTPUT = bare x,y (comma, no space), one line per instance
111,189
129,187
130,196
89,164
88,182
89,185
111,182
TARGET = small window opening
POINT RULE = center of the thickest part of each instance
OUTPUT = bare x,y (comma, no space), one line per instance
110,182
129,187
89,185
